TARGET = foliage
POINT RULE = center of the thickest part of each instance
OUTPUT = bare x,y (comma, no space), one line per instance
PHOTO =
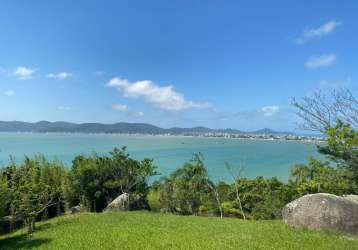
319,176
342,147
185,190
38,188
97,180
5,197
35,188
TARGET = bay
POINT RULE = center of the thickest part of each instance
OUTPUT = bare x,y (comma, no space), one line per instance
256,157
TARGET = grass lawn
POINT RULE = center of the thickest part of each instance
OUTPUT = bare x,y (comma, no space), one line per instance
145,230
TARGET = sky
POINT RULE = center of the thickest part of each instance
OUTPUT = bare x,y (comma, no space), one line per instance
220,64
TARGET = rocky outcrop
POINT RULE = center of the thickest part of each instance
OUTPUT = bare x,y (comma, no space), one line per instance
74,210
324,212
120,203
351,197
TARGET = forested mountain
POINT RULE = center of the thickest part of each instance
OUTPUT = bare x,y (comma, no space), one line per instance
121,127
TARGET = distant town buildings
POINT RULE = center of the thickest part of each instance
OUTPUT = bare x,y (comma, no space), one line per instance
288,137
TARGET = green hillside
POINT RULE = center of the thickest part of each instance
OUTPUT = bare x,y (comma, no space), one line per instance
145,230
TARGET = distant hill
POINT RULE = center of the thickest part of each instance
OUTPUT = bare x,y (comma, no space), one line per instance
268,131
121,127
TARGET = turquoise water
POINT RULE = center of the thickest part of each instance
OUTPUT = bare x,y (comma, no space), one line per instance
264,158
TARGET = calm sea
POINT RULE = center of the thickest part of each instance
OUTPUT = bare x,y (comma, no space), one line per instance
258,158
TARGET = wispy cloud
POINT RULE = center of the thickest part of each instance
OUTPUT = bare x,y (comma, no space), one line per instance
98,73
62,108
124,109
315,33
162,97
9,92
320,61
59,76
269,110
335,84
23,72
260,114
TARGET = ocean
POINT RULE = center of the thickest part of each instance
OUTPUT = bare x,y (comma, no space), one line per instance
255,157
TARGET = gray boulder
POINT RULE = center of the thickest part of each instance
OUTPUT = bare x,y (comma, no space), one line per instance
351,197
323,212
121,203
74,210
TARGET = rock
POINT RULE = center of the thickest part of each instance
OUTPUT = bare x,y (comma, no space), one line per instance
120,203
323,212
351,197
74,210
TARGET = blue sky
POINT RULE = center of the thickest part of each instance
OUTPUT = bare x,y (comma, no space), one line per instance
173,63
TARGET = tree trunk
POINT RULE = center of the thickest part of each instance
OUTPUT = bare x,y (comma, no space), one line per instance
219,203
239,200
30,226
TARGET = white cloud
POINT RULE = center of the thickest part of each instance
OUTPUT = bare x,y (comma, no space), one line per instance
165,97
59,76
23,72
318,32
270,110
320,61
9,92
120,107
63,108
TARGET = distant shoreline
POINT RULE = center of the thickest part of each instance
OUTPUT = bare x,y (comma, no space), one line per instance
253,137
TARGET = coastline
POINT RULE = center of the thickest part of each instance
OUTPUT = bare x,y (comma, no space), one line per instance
253,137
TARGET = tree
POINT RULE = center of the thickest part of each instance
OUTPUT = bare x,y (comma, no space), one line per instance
5,196
336,117
131,176
342,147
186,189
318,176
235,178
200,160
320,112
35,187
97,180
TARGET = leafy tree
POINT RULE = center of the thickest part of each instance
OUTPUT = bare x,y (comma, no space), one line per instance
35,187
318,176
5,196
97,180
186,189
336,116
342,147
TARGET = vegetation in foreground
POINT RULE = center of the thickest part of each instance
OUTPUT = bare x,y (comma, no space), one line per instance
146,230
37,189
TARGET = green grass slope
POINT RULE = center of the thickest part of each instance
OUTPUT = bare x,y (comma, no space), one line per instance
144,230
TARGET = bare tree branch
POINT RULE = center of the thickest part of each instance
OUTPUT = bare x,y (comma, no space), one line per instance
235,178
320,112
